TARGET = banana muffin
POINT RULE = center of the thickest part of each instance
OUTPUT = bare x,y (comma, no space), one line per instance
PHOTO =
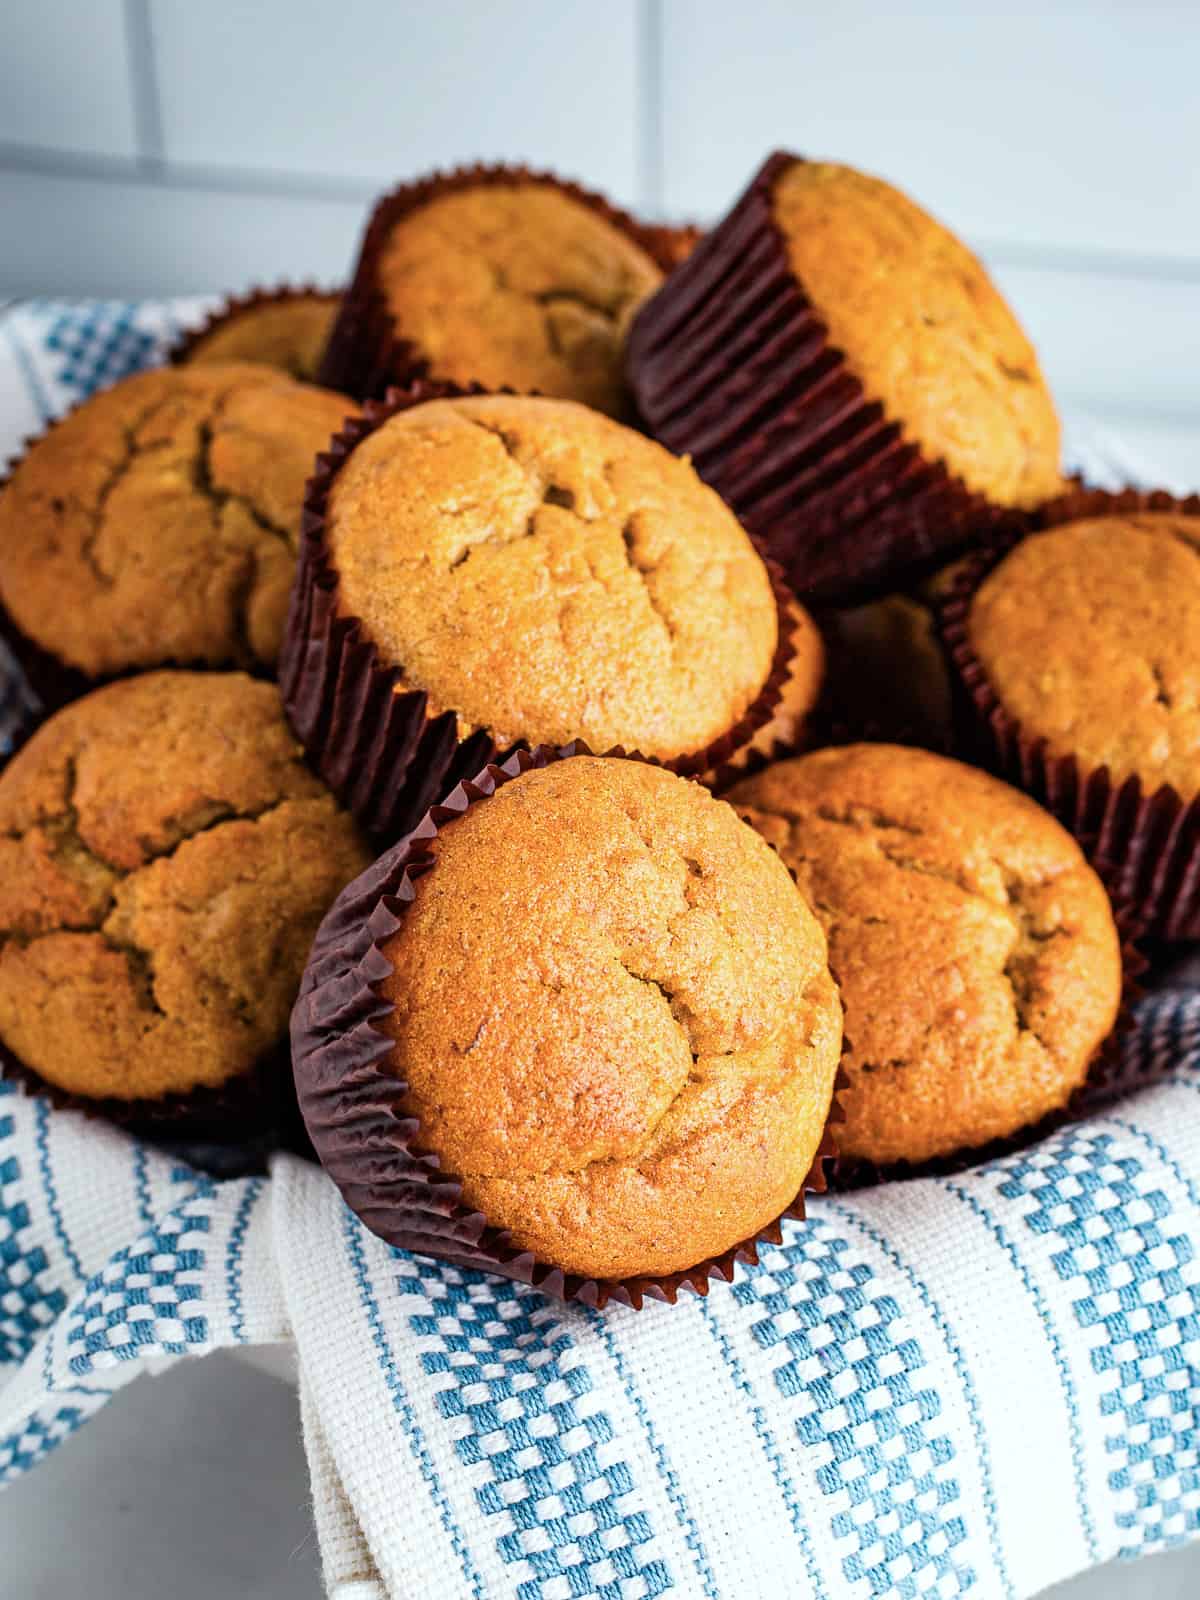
586,1026
887,673
158,523
975,950
1089,635
543,574
498,277
878,403
284,328
165,859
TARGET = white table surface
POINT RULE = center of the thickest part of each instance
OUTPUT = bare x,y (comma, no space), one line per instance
192,1486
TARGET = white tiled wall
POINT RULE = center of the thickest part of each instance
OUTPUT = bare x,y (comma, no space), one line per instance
159,145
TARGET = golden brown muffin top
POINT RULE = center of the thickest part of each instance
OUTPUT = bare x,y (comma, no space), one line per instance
975,950
923,328
165,860
159,521
517,286
1090,636
289,333
551,575
615,1018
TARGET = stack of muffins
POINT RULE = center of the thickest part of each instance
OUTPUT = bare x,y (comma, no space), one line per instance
571,674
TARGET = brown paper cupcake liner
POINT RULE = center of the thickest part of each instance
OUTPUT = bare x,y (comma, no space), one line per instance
233,305
1146,847
730,363
373,741
246,1109
1106,1081
365,355
349,1094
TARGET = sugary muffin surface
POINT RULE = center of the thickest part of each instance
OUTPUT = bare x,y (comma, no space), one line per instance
923,328
975,950
517,286
549,575
1090,635
289,333
158,523
615,1017
165,859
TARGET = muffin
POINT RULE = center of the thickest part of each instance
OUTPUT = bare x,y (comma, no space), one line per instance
159,521
677,240
976,953
284,328
854,386
166,859
887,673
483,570
498,276
574,1011
1079,650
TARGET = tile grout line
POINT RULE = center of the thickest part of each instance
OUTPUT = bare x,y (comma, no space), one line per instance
143,83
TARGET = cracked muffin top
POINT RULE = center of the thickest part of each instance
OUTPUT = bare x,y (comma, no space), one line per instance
517,285
165,860
597,1038
975,950
158,523
289,332
549,575
1090,636
923,329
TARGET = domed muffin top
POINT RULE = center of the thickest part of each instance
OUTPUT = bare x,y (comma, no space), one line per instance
517,285
158,523
923,328
549,575
165,859
1090,636
615,1018
288,331
975,950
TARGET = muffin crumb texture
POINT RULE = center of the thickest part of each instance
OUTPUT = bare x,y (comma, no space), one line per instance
549,575
158,523
923,328
975,950
165,859
517,286
615,1019
1089,635
289,333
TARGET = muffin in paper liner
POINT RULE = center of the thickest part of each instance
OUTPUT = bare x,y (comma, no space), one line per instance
730,363
1107,1080
1145,846
233,306
374,743
365,355
348,1095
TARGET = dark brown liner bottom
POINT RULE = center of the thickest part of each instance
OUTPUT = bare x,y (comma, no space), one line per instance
348,1095
1105,1081
730,363
373,742
1146,847
365,355
233,305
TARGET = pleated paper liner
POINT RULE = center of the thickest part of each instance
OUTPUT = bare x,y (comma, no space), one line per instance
730,364
372,741
349,1090
225,1126
366,355
1107,1080
234,306
1146,846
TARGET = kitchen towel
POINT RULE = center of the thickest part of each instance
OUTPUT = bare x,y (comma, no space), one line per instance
954,1386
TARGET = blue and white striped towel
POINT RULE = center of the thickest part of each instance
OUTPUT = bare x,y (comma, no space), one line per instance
970,1386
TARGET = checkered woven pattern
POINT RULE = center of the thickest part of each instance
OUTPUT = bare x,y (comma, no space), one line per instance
967,1387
